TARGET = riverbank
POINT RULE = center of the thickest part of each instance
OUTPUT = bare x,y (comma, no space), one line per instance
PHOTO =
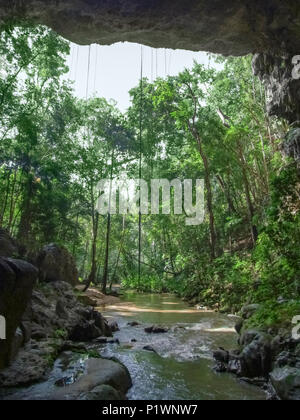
55,351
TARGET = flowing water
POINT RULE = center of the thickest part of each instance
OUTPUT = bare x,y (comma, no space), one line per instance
179,369
182,367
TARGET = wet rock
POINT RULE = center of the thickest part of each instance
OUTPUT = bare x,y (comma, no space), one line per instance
56,264
32,365
133,324
235,365
286,383
103,393
101,340
256,355
114,341
260,382
150,348
114,327
101,323
253,361
221,355
70,346
287,358
220,367
156,329
98,372
17,279
85,331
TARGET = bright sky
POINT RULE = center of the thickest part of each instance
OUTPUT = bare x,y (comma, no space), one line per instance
116,69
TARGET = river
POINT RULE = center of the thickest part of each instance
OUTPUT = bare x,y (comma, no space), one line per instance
179,369
182,367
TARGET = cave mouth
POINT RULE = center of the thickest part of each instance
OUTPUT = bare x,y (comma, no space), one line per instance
267,29
234,27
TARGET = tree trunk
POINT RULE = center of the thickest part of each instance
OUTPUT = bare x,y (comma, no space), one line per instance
4,206
251,212
26,215
119,255
108,229
213,235
92,276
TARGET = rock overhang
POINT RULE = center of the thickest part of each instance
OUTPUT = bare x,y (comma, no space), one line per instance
231,27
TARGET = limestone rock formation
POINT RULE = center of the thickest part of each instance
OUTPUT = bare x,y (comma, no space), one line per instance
270,28
291,145
234,27
17,279
56,264
282,85
49,333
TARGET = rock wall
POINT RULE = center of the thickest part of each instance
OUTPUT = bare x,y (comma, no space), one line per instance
54,321
282,87
17,279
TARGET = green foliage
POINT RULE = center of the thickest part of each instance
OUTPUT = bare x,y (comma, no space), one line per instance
150,284
202,123
60,334
274,314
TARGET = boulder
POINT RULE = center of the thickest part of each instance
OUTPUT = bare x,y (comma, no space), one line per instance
221,356
98,372
133,324
257,354
103,393
17,279
32,365
8,247
56,264
156,329
253,361
85,331
286,383
114,327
